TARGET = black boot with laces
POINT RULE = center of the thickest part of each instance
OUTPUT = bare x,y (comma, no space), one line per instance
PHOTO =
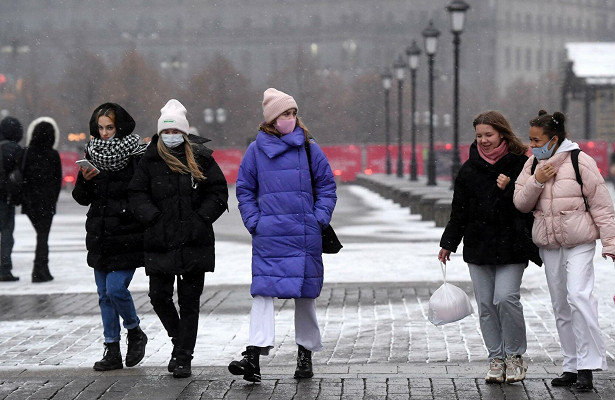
183,369
136,346
248,366
112,358
304,363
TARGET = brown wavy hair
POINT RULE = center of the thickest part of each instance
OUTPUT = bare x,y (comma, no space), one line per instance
497,121
177,166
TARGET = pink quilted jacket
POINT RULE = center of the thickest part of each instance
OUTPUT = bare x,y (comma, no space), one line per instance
560,219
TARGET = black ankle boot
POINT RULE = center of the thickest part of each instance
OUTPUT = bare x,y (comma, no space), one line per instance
7,276
248,366
112,358
585,380
565,379
184,364
136,346
304,363
40,273
173,360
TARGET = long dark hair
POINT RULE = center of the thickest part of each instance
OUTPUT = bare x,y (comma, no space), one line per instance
498,122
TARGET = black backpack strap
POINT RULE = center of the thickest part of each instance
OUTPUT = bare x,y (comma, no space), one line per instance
534,164
574,156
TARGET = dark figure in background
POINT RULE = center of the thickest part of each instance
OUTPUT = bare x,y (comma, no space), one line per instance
42,177
114,237
11,132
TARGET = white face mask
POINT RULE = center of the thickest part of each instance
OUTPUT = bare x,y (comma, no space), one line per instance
172,140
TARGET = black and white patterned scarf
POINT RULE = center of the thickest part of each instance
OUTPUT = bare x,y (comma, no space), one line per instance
114,154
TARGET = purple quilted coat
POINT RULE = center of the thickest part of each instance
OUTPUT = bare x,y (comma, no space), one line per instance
276,204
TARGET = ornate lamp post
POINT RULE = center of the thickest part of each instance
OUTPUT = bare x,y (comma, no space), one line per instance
400,69
430,34
457,10
386,84
413,52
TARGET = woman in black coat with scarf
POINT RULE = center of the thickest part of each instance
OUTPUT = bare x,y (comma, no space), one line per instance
178,192
114,237
497,241
42,182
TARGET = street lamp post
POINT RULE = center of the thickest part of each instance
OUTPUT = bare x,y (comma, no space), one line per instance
218,116
430,34
386,84
457,10
400,67
413,52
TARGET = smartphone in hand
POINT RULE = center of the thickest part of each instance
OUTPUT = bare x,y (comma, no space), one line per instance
86,164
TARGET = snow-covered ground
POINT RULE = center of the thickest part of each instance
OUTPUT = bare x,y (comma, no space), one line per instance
411,260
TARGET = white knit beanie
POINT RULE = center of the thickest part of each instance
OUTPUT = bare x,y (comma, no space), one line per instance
275,103
173,116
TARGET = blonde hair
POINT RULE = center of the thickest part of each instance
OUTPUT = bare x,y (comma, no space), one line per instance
269,127
177,166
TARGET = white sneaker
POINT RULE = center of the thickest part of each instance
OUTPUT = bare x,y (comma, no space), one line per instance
496,373
516,367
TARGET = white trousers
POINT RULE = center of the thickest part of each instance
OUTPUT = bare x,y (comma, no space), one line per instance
570,277
262,324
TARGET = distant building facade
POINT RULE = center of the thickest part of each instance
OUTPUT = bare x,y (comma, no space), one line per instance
504,41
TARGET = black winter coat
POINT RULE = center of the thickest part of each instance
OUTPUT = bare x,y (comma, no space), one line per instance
114,237
42,177
178,214
11,159
494,232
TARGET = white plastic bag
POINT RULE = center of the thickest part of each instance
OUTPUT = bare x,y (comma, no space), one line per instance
448,303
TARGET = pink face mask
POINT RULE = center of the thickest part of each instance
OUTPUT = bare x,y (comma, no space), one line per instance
285,126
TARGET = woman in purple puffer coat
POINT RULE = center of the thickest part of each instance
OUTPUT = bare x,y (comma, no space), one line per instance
274,190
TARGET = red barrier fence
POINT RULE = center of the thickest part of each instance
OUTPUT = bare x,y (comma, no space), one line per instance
348,160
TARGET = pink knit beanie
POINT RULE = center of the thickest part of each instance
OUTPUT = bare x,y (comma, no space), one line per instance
275,103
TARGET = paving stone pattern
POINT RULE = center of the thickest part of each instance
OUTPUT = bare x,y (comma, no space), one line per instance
377,341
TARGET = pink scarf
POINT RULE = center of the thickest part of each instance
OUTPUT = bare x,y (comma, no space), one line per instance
493,156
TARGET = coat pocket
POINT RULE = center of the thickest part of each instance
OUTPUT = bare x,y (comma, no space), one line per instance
539,230
155,236
577,227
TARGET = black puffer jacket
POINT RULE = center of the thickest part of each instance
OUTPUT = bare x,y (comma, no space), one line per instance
114,237
493,230
178,216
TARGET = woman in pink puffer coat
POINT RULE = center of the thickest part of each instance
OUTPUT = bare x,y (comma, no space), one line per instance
566,232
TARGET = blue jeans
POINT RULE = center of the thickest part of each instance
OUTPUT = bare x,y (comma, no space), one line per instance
115,300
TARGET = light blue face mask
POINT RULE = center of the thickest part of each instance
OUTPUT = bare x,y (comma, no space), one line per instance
172,140
543,152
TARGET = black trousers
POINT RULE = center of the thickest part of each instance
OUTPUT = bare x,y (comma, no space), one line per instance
42,226
182,326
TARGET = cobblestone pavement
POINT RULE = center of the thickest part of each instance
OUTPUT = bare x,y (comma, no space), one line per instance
377,344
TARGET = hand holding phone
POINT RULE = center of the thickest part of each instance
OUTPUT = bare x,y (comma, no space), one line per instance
86,164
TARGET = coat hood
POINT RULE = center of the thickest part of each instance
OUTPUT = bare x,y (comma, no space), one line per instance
567,145
45,135
124,123
274,146
11,129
